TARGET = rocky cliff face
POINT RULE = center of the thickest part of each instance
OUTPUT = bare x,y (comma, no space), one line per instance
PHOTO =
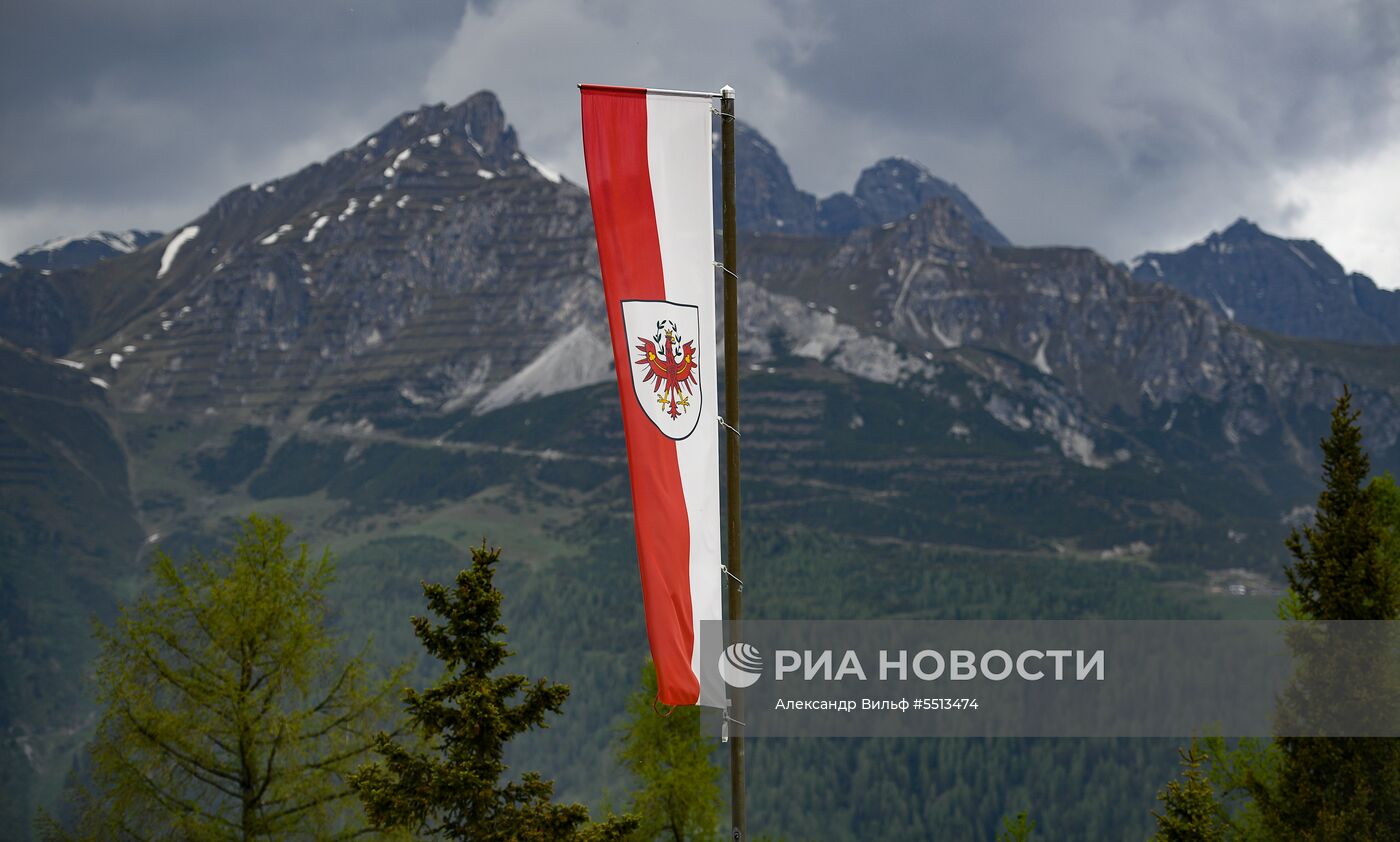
425,265
434,267
889,190
1114,352
1292,287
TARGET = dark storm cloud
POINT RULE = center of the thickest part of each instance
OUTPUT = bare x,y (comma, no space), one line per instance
1123,125
141,112
1120,125
1111,122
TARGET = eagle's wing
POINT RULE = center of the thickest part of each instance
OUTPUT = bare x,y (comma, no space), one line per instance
656,369
685,369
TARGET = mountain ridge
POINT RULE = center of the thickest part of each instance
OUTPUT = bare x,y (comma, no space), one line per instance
1287,286
886,191
71,252
292,277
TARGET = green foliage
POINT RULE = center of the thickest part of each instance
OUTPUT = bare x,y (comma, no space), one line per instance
1191,812
1385,496
1018,829
1343,569
452,786
1346,567
1234,771
227,713
679,796
1339,570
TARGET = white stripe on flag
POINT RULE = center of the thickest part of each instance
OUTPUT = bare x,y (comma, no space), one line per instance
678,151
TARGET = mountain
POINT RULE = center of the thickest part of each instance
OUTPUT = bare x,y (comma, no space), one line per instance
74,252
1292,287
33,311
890,190
402,349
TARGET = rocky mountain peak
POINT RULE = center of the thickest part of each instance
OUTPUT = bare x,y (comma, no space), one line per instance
888,179
479,119
1241,230
894,188
889,190
1287,286
767,198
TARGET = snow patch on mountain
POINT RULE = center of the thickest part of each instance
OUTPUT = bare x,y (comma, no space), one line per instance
1040,362
1224,308
273,237
172,249
1299,254
547,172
123,242
316,228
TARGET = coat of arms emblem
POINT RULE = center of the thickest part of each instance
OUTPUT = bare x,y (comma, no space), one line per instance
664,340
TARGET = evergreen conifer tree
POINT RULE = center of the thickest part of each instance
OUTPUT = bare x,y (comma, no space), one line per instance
1343,569
454,783
1190,811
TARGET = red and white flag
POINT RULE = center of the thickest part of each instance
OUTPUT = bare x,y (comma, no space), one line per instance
649,170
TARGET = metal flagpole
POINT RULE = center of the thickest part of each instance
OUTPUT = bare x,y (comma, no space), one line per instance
737,800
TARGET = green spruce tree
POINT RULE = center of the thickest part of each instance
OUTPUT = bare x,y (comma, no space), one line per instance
1018,829
1343,569
1340,570
1190,811
453,782
679,797
227,710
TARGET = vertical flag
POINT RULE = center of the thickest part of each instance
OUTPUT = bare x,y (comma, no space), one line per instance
648,160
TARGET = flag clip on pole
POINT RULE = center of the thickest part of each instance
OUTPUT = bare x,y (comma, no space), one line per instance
734,712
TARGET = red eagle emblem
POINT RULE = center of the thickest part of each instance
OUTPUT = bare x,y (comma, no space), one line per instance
669,365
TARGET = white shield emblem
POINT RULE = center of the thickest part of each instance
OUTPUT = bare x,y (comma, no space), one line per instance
664,341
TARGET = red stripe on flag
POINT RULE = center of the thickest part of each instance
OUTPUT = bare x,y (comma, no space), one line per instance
629,253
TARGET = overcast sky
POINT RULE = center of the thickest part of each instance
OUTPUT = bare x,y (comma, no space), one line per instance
1125,126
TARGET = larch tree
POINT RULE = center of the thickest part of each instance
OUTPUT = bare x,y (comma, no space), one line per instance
228,711
679,796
